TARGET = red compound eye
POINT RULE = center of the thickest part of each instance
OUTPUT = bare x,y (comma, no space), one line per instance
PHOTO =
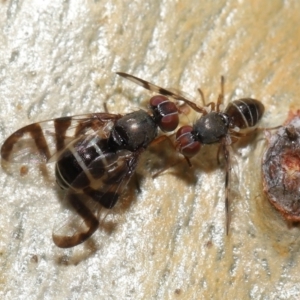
186,142
165,113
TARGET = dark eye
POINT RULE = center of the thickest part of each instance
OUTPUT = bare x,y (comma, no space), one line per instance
186,141
165,113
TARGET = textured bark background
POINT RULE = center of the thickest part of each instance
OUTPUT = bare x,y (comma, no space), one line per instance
59,57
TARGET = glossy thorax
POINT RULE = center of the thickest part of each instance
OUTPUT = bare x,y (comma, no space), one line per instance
133,131
211,128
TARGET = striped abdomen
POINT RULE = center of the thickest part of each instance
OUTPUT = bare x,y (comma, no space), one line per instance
244,113
90,168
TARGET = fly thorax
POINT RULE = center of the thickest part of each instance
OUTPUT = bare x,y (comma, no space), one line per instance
133,131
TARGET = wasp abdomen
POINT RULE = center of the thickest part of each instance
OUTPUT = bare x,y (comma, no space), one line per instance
245,113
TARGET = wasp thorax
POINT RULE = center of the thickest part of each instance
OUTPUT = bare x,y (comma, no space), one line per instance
211,128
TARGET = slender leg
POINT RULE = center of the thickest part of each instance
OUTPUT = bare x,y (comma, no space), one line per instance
137,182
269,128
204,112
249,133
211,104
219,153
214,106
241,134
227,184
167,138
221,96
202,97
163,138
105,107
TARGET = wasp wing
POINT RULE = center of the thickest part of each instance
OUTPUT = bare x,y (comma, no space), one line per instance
157,89
85,209
43,142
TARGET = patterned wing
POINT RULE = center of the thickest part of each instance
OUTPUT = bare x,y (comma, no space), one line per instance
44,141
154,88
85,207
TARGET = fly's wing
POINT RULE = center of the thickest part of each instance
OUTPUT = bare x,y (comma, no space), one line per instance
84,209
157,89
44,141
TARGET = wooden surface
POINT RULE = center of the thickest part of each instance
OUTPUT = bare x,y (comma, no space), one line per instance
59,58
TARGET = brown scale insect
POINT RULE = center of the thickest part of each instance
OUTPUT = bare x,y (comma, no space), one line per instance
237,120
96,155
281,169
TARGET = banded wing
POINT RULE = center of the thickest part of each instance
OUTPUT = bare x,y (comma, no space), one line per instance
43,142
93,194
157,89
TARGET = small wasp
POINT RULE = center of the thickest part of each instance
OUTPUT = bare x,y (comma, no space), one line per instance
237,120
96,155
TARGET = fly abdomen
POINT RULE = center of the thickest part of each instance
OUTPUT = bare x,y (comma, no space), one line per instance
244,113
76,160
